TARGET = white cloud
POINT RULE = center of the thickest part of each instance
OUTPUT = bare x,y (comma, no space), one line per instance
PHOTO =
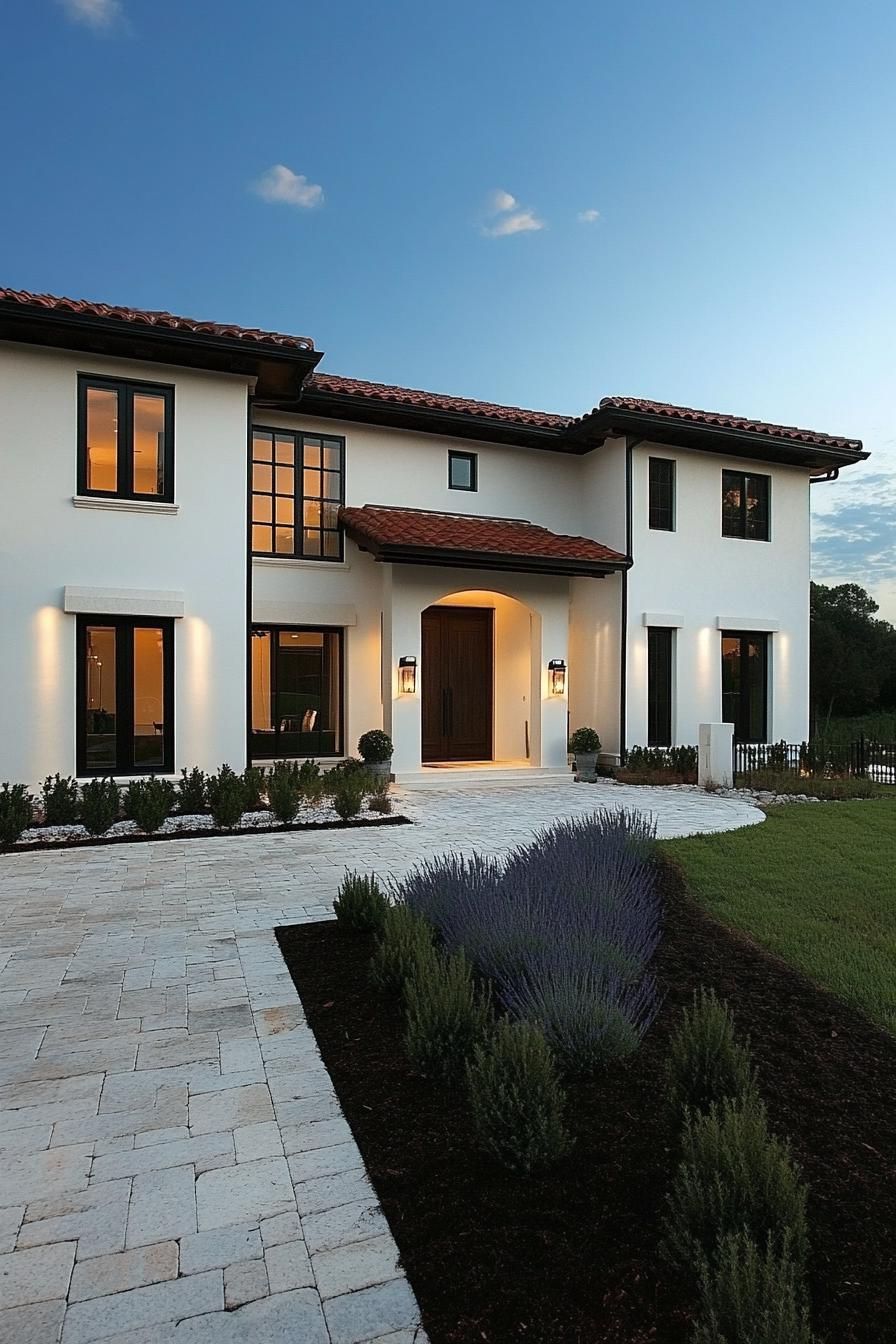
499,201
519,221
95,13
280,185
588,216
514,218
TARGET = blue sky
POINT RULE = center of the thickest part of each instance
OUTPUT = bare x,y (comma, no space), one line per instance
528,203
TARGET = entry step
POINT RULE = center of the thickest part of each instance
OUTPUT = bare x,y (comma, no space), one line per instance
480,776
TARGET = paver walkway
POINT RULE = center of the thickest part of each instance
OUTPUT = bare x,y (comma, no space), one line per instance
175,1165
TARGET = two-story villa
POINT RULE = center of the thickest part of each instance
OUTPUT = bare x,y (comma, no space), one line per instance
210,551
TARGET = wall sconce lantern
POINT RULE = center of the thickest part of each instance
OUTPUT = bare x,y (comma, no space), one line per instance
557,676
407,676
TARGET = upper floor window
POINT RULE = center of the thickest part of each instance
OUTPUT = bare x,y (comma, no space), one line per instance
661,507
297,489
745,505
462,471
125,438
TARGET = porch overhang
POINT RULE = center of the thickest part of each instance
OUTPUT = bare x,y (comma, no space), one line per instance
468,541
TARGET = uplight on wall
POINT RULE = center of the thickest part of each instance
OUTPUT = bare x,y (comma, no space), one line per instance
407,676
557,676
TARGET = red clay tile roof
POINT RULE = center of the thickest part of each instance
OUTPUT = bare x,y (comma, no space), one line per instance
148,318
414,399
718,420
384,528
433,401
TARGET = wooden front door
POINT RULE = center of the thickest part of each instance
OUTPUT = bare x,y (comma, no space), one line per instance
457,683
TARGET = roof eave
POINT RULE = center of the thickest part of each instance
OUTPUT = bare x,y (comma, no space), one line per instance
452,558
279,370
428,420
603,423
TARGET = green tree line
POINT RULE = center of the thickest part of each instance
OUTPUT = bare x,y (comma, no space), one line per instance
852,654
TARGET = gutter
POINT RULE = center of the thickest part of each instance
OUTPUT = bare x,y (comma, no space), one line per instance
830,475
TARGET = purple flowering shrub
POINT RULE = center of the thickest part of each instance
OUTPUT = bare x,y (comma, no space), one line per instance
565,929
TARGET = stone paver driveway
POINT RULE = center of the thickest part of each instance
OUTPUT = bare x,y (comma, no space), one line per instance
175,1166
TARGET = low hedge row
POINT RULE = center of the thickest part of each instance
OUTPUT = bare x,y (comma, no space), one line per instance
226,795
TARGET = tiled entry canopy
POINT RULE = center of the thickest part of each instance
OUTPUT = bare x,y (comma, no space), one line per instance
418,536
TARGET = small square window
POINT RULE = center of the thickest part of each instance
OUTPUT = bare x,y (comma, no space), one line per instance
462,471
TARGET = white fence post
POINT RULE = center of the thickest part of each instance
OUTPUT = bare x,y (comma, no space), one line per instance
715,759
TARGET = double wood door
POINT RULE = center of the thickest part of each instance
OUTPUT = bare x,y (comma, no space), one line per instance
457,681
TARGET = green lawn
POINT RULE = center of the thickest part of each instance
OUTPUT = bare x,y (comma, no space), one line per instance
816,884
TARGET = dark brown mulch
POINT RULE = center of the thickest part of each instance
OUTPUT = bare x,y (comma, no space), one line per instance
79,842
571,1258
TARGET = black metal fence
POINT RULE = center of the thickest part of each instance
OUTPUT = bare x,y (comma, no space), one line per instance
865,758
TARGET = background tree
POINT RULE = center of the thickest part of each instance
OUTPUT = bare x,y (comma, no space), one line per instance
852,654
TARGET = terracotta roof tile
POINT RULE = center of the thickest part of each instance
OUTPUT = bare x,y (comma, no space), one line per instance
413,398
434,401
718,420
384,527
148,318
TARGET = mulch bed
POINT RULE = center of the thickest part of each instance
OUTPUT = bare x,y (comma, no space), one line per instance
209,833
572,1258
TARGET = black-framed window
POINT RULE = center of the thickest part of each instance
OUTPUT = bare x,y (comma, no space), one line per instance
745,684
463,471
125,438
297,699
745,505
298,486
661,505
660,644
125,689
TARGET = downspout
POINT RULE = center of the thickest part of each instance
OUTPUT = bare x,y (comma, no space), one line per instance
250,405
630,445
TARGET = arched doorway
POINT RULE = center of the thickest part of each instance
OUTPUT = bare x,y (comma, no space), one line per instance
477,670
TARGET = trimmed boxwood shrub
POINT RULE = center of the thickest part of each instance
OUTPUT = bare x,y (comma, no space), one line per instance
253,788
348,789
360,905
734,1176
378,799
284,791
375,747
148,802
752,1297
706,1063
59,800
447,1015
16,812
226,797
191,795
584,740
313,783
100,805
516,1098
406,941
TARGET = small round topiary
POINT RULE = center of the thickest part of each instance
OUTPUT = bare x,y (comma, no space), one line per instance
375,746
584,740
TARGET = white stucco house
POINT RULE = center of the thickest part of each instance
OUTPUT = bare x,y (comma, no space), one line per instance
211,551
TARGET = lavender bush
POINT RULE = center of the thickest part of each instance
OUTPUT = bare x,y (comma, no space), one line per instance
565,929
